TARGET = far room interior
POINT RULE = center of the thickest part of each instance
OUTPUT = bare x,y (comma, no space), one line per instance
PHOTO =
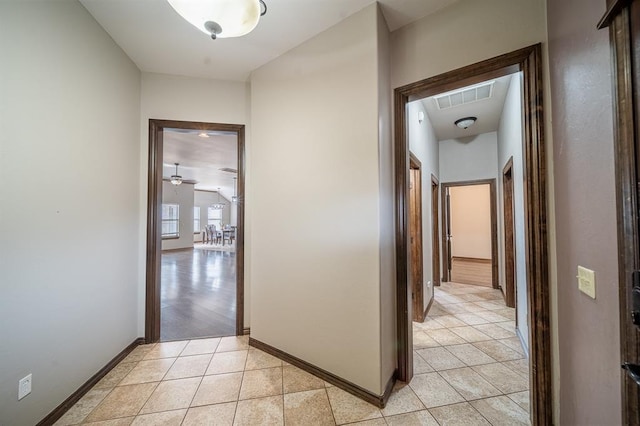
199,234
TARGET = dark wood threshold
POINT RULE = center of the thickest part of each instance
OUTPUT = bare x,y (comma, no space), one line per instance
61,409
471,259
377,400
246,331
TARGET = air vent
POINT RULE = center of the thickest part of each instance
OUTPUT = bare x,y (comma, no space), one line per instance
466,95
228,170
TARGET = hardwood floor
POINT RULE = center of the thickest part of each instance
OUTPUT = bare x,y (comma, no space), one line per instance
198,294
471,271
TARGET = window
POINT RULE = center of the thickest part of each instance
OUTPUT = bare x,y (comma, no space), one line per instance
170,221
214,217
196,220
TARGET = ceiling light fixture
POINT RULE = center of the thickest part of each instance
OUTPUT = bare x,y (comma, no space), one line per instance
221,18
203,135
176,179
218,205
465,122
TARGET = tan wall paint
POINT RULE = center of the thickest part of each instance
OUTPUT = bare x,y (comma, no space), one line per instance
316,148
464,33
585,209
69,114
471,221
387,229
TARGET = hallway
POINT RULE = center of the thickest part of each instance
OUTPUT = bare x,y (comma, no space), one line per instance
469,365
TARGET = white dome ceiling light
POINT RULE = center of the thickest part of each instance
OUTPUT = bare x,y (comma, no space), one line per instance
221,18
465,122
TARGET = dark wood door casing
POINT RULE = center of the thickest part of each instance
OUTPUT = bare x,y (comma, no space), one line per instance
509,235
529,61
415,229
154,207
623,20
435,231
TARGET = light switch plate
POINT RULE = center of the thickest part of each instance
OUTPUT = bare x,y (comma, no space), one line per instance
587,281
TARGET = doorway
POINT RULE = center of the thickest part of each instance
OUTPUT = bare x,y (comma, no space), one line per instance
415,230
158,224
435,232
529,62
470,212
509,237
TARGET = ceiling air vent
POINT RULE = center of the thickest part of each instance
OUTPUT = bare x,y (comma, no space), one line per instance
466,95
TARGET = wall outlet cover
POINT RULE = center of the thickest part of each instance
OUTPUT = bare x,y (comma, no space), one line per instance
24,386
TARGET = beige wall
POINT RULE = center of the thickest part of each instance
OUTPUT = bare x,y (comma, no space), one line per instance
471,221
316,148
190,99
69,213
387,229
462,34
585,206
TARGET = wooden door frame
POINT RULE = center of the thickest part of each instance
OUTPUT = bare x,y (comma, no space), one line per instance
509,288
623,20
418,287
154,220
529,61
435,234
444,186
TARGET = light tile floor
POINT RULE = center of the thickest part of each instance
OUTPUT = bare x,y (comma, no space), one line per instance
469,369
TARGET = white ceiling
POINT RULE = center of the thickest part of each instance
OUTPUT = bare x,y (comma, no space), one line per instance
488,112
158,40
201,159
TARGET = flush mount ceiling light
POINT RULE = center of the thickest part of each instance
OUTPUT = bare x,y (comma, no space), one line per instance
465,122
221,18
203,134
176,179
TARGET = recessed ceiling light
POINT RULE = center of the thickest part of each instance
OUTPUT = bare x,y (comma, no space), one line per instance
203,135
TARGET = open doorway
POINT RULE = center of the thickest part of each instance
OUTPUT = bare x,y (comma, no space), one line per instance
195,235
536,369
470,244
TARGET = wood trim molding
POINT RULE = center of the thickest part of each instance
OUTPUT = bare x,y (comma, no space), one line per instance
154,200
614,9
529,61
378,400
626,171
435,236
61,409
